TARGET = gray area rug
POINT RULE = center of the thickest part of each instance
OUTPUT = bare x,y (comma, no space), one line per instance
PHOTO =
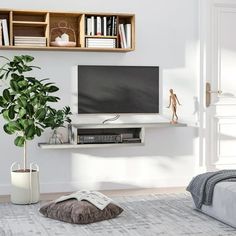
165,214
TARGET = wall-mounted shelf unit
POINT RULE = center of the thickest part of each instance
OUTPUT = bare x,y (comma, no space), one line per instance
38,30
131,134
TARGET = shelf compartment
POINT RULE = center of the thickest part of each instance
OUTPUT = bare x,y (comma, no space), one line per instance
8,16
29,16
138,127
64,23
124,19
22,30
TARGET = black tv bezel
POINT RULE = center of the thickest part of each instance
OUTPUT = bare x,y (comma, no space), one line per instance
123,113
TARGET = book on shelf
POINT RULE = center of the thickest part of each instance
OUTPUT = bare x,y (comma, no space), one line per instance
100,43
104,26
98,26
122,36
101,25
0,33
115,27
125,35
5,33
88,26
30,41
128,35
92,25
113,20
109,24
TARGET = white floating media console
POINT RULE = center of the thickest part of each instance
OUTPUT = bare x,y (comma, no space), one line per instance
109,134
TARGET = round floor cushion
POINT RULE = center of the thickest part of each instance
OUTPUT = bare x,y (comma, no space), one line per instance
79,212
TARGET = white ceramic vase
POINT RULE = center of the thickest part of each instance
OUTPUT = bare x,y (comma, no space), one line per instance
25,185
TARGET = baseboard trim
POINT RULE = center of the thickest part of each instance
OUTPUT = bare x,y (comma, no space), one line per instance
110,193
101,186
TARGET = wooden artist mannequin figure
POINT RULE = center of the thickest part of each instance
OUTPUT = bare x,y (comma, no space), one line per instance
173,103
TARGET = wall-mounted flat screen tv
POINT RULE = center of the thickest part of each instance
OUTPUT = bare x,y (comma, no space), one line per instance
118,89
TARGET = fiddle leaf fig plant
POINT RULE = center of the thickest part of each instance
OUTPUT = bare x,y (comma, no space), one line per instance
25,102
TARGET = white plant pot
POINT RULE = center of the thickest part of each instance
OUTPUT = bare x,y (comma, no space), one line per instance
25,185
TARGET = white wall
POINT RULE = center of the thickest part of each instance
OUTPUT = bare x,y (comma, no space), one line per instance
167,36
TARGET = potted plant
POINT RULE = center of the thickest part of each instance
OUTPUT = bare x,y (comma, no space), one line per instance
25,106
56,120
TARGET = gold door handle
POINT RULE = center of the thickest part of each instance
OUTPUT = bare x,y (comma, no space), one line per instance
218,91
209,92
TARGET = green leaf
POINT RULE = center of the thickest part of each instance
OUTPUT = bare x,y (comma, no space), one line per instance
30,109
24,123
38,131
49,122
11,112
5,115
40,114
6,94
15,76
14,125
22,101
53,99
22,84
14,85
22,112
7,129
42,101
30,132
18,59
3,102
27,58
19,141
52,89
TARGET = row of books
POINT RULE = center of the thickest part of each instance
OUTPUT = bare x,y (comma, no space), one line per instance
30,41
125,35
4,33
101,25
100,43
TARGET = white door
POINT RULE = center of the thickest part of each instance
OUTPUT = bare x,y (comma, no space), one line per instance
218,57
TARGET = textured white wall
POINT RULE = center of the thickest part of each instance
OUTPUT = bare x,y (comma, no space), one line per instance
167,36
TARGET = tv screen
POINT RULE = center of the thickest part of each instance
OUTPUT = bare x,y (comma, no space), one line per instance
118,89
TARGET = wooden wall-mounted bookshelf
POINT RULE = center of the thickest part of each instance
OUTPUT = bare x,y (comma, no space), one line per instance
46,26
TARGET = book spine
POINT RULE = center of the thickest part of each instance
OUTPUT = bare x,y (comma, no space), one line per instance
121,38
109,22
128,35
123,35
112,25
92,26
95,25
0,33
102,29
105,26
5,32
88,26
115,27
99,26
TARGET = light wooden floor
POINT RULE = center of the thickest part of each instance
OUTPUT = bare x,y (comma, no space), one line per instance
121,192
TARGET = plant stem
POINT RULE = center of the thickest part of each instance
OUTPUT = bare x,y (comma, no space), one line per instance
25,156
